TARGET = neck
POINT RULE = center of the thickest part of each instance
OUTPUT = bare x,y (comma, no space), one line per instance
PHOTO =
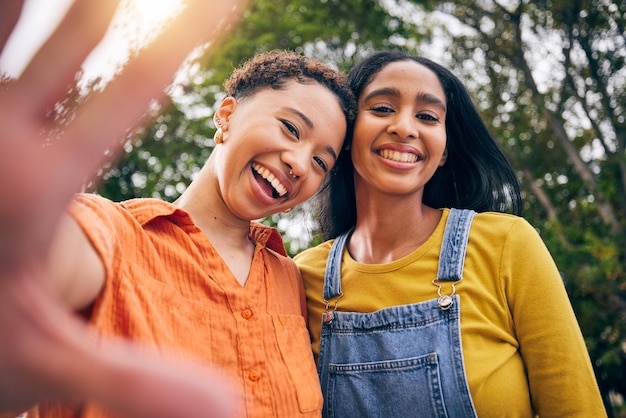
227,233
211,215
389,229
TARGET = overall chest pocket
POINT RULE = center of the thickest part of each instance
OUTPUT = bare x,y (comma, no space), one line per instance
401,361
408,387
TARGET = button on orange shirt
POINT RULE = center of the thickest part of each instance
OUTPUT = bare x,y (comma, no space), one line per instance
167,286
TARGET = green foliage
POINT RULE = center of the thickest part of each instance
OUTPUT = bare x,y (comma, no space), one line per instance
549,77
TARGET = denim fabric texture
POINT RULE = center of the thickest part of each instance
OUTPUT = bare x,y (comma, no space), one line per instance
401,361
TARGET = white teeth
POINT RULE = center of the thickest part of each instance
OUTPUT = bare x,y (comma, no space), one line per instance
401,157
269,177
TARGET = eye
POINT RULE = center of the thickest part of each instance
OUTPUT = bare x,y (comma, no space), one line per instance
427,117
291,128
381,109
319,161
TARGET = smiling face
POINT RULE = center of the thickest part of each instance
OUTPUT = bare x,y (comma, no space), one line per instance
278,146
399,135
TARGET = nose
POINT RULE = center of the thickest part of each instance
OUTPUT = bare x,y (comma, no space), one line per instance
404,125
296,162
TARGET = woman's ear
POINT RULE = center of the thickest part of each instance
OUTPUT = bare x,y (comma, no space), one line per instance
444,157
222,115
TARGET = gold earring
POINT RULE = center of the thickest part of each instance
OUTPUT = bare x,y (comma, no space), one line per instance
287,210
218,137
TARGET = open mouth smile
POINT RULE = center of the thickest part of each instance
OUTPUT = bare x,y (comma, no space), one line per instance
278,189
400,157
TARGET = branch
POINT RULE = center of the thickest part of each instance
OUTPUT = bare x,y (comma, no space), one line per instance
547,205
555,124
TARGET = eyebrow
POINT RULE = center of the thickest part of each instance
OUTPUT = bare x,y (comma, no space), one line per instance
431,98
302,116
331,151
309,124
393,92
385,91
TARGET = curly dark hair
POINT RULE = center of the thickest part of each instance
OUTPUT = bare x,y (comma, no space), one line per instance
274,68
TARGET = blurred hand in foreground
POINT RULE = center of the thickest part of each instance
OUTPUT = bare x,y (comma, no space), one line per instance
44,351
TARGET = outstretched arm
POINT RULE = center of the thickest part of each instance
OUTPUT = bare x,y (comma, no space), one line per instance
44,352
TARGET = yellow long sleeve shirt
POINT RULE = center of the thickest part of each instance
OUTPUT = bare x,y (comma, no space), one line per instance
523,349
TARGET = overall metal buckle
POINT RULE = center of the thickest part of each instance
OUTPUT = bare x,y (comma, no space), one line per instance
328,315
445,302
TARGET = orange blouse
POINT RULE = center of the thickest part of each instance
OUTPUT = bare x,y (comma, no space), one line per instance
168,287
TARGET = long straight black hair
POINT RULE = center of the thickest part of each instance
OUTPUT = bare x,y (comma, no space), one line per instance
476,174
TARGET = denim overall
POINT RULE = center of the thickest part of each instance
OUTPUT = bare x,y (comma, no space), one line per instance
401,361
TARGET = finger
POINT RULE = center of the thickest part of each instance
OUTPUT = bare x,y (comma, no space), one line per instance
125,100
54,67
11,10
47,354
31,326
137,382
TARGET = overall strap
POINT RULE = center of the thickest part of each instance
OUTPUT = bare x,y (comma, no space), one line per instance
454,245
332,276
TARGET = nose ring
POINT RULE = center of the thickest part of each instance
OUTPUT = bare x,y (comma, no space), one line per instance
291,173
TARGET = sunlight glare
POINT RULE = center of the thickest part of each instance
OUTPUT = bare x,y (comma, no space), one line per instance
135,25
147,16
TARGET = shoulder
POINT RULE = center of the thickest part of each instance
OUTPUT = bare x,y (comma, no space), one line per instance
89,207
98,203
510,239
94,210
499,227
497,218
92,200
314,258
139,211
